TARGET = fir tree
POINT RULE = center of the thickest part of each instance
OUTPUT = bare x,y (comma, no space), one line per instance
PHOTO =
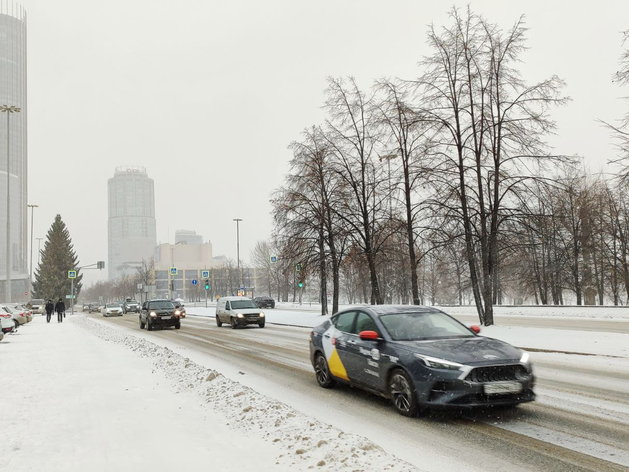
57,258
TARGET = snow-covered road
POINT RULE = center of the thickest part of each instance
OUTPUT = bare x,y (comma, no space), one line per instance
105,379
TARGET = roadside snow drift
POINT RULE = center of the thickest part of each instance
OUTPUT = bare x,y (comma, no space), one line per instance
303,442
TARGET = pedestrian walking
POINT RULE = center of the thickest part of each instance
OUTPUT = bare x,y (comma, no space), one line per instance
60,308
49,309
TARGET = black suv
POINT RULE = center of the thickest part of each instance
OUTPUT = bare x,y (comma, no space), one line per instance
159,313
264,302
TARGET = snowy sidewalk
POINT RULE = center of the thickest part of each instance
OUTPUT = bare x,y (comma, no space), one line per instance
79,403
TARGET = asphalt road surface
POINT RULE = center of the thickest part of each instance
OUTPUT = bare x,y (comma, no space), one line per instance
580,423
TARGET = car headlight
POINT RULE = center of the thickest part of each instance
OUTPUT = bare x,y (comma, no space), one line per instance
261,315
435,363
240,315
525,359
153,314
177,312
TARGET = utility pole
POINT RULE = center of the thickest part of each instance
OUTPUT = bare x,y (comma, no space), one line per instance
238,220
8,110
32,207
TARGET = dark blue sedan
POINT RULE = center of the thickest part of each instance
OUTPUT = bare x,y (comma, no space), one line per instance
419,357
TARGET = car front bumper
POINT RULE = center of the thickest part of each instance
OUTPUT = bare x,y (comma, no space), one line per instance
465,394
158,321
247,320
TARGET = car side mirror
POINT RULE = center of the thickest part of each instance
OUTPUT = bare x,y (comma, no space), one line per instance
368,335
475,328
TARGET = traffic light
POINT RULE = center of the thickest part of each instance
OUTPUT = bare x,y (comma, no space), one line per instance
207,284
300,284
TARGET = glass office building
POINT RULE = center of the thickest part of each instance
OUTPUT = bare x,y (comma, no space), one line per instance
131,224
13,93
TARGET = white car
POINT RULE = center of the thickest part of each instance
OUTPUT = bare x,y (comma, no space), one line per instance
112,309
19,317
6,323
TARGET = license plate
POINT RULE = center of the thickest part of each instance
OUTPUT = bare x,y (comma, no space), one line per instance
503,387
166,317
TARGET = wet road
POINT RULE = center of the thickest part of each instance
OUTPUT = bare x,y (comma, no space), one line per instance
581,421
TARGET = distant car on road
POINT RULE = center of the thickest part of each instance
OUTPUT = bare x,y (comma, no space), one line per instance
264,302
112,309
131,306
419,357
159,313
94,307
179,306
238,311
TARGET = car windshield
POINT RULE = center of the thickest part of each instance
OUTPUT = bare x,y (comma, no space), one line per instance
7,309
113,305
37,301
415,326
162,305
243,304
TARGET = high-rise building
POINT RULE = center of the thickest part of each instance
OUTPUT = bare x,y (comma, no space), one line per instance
13,94
131,224
184,236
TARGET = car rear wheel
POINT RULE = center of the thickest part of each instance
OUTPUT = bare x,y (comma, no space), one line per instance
322,372
141,323
232,323
219,323
402,393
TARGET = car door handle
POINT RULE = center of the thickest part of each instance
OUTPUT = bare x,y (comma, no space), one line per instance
326,336
353,343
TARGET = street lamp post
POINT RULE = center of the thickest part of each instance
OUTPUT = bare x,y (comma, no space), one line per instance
32,207
8,110
238,220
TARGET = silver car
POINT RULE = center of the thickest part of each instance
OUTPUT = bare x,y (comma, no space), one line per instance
112,309
18,315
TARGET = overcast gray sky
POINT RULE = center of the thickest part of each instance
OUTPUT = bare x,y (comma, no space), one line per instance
207,96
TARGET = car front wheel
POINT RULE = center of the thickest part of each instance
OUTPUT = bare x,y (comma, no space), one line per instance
402,393
261,324
149,325
219,323
141,323
232,323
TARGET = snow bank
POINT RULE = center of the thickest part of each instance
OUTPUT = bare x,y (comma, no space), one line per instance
306,442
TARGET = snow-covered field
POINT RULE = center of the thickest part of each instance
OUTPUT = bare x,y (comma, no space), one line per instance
86,397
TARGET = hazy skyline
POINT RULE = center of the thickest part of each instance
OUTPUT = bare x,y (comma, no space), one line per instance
208,95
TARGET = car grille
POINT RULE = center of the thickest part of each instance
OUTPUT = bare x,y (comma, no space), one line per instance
252,316
497,373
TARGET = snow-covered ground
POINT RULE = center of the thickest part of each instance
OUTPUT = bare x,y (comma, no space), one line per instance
86,397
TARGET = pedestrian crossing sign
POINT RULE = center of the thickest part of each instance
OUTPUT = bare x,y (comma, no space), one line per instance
72,274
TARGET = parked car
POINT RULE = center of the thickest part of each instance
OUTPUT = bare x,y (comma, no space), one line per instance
37,305
181,308
419,357
264,302
28,312
112,309
131,306
159,313
238,311
6,322
19,318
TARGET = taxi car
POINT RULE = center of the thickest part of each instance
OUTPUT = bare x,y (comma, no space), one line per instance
419,357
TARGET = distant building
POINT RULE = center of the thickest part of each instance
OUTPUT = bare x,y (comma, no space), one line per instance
131,224
184,236
13,93
189,260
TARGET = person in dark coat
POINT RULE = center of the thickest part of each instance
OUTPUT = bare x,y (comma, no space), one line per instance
60,308
49,309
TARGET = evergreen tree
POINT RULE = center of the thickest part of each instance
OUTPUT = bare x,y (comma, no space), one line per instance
57,258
